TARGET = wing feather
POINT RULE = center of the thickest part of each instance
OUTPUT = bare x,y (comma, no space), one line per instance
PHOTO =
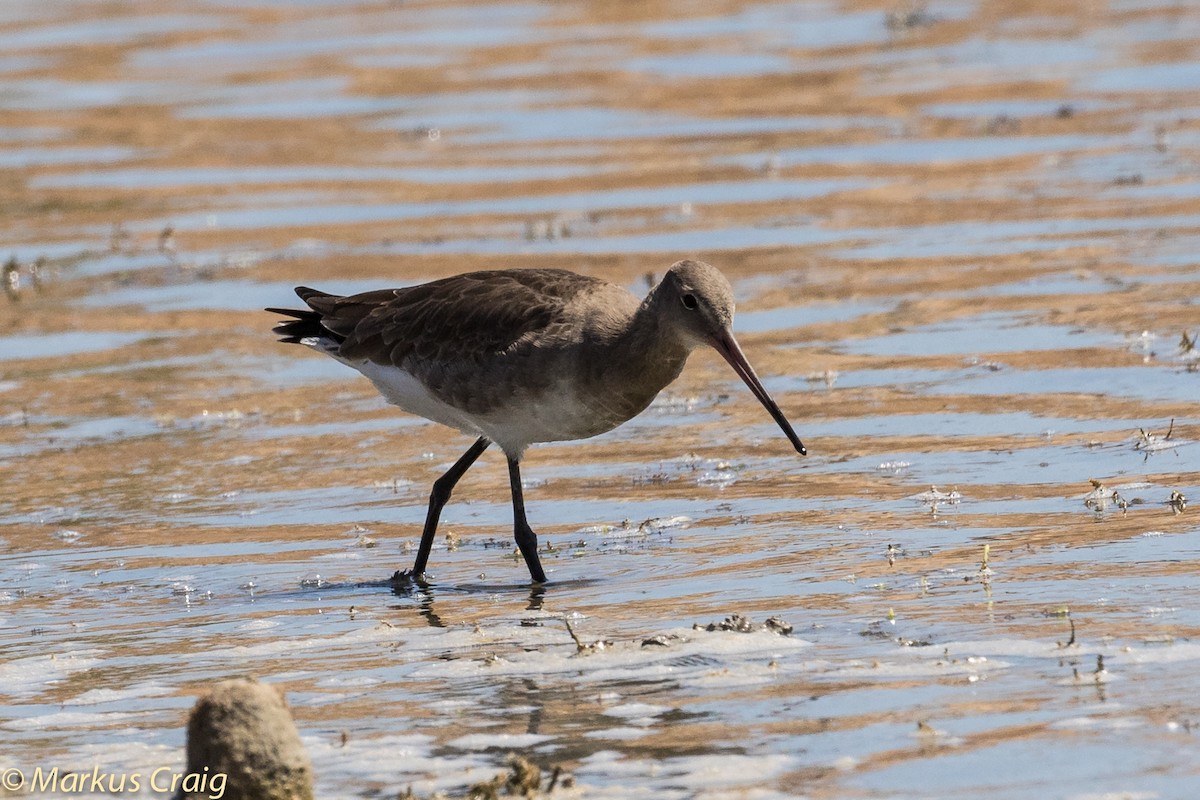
462,318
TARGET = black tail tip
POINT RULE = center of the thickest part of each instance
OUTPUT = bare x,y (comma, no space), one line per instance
300,325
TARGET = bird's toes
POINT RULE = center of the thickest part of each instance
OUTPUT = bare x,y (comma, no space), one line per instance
406,578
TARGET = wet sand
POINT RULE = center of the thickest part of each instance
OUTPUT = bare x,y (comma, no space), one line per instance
963,242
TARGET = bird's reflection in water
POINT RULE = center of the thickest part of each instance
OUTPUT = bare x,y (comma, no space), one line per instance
422,592
537,596
425,593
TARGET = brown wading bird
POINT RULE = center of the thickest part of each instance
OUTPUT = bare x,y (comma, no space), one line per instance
523,356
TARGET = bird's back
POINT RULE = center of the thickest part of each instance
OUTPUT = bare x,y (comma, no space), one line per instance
472,349
461,318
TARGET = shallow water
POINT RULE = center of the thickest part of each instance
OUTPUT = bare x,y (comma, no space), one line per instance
963,244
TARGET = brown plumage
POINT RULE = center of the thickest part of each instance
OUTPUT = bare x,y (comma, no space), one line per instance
523,356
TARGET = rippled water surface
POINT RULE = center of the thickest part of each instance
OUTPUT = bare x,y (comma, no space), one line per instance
963,239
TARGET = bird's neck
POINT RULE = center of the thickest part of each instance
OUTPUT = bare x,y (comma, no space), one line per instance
650,354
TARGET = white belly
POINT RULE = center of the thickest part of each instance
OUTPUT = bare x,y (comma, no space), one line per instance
402,389
552,416
556,414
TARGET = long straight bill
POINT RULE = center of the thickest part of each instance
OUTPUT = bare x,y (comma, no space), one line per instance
728,347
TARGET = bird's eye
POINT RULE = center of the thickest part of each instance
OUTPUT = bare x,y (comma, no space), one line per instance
690,302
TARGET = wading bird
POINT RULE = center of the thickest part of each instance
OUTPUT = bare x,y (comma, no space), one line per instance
523,356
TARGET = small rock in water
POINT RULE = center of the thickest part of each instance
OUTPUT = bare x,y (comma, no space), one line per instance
243,745
740,624
523,779
659,524
935,495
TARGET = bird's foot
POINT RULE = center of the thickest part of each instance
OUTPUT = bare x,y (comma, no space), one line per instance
406,578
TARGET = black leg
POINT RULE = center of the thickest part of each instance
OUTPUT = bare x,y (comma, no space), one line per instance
442,488
526,539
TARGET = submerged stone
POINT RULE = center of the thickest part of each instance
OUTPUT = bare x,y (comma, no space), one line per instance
243,745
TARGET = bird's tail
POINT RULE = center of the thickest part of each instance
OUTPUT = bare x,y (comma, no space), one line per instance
304,323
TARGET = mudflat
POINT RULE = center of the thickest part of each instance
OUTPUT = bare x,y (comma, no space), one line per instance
963,241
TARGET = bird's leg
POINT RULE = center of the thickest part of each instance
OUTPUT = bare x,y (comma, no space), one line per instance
526,539
442,488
